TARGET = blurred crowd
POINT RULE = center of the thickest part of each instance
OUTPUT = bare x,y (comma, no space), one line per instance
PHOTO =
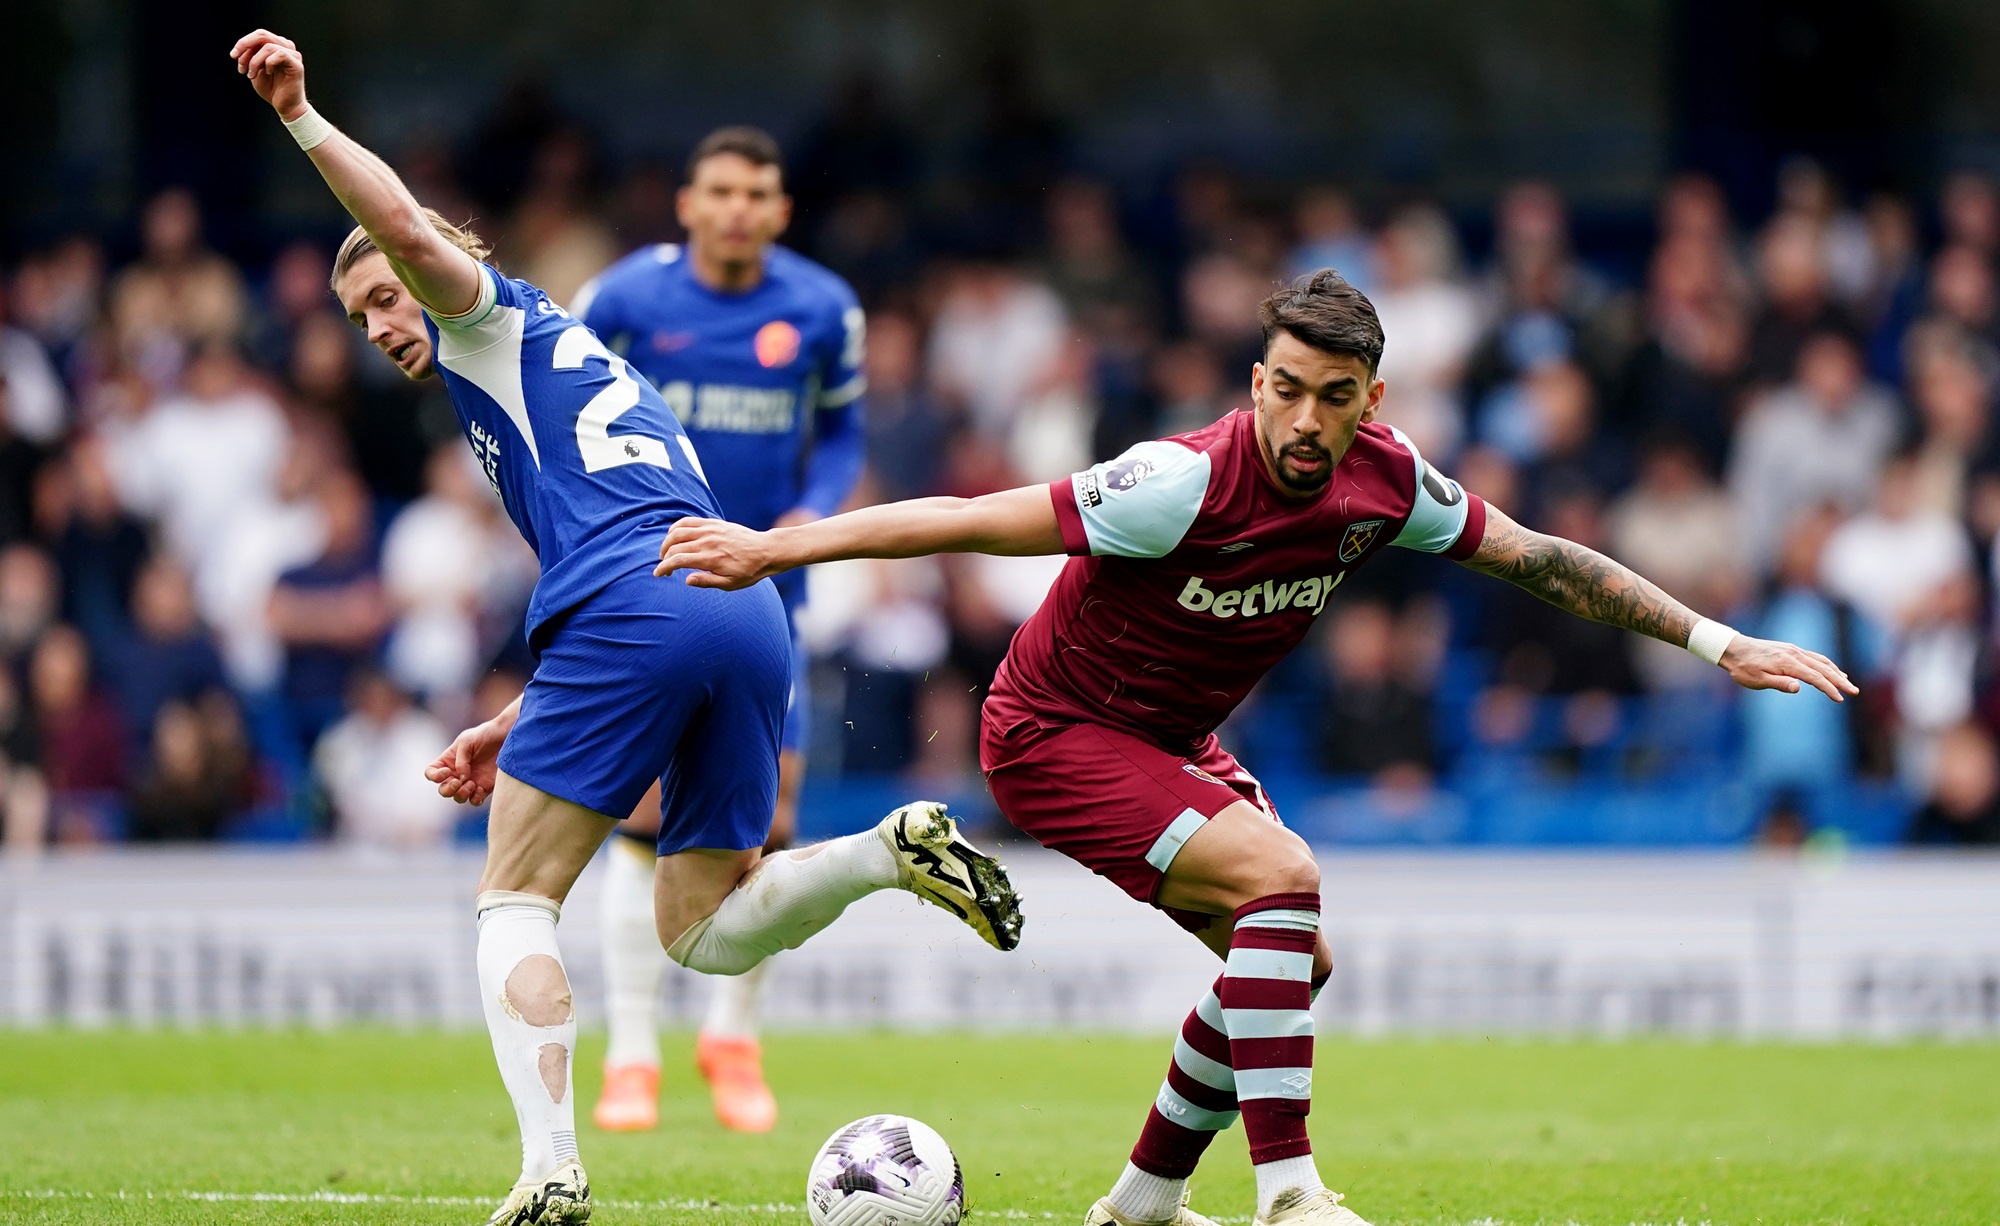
251,581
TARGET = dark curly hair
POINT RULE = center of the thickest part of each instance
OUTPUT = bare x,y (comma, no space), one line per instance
1324,311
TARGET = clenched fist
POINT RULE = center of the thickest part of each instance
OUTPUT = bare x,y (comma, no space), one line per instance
276,70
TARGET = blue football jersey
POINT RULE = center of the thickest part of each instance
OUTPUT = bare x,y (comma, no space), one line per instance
591,464
767,382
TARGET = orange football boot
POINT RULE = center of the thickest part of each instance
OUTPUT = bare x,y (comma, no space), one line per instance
631,1098
734,1067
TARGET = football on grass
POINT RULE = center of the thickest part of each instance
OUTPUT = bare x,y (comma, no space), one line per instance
885,1170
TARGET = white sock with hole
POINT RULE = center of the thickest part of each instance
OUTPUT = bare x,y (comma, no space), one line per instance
732,1011
1285,1175
529,1013
1146,1197
633,959
791,896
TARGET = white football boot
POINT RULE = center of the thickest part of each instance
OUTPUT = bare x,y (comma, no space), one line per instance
934,862
1321,1208
1103,1213
562,1196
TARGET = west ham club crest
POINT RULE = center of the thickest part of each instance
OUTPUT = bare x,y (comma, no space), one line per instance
1358,538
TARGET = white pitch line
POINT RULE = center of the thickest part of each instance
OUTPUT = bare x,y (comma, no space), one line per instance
468,1202
682,1205
384,1198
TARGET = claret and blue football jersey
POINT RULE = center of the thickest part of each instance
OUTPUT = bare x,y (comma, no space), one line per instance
767,382
1193,573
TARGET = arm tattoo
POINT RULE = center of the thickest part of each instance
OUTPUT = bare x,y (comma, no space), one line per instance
1581,580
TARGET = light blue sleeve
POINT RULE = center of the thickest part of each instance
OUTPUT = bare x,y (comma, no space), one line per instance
1141,504
1437,518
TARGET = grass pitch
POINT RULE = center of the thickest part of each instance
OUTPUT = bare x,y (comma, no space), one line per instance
378,1127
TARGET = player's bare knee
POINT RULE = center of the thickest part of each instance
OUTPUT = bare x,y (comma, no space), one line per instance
673,919
1279,873
537,992
710,957
1287,869
1297,875
669,928
1322,959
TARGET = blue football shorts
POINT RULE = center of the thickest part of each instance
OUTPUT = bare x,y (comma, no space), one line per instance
652,679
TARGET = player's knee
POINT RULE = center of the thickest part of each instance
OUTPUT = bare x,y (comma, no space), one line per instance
1282,871
672,929
537,992
1278,862
1295,872
694,947
680,921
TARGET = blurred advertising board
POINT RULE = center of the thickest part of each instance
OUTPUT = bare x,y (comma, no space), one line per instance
1594,944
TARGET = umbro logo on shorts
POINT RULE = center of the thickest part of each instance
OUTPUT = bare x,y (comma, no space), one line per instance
1236,546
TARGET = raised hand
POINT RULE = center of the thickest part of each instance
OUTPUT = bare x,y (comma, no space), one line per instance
276,70
1763,664
719,553
467,770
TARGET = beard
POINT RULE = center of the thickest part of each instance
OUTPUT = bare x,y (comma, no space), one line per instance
1301,482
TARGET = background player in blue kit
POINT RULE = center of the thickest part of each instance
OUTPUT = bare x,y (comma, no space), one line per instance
636,680
758,350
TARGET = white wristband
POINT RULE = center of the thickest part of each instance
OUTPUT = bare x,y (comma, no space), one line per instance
309,129
1710,639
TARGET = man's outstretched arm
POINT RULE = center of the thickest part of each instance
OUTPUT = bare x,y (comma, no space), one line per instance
1591,585
441,276
1013,522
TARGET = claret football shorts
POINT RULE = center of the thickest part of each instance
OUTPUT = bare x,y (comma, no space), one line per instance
1115,803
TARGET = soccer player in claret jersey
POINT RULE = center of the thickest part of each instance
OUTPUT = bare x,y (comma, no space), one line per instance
758,351
636,681
1198,562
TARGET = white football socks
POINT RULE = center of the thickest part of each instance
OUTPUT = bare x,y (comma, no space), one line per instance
1145,1197
732,1011
790,896
529,1013
633,959
1296,1175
